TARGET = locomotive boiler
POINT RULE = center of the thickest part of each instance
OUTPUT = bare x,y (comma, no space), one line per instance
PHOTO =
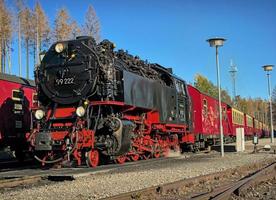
96,103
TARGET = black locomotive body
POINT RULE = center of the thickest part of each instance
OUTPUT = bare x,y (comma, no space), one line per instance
97,102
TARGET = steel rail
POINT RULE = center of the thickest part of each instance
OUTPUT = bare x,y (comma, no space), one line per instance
14,182
221,193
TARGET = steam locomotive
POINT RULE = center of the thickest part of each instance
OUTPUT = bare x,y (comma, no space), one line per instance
96,103
99,103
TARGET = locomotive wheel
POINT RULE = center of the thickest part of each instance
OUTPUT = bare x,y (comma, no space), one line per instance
156,154
120,159
92,158
134,157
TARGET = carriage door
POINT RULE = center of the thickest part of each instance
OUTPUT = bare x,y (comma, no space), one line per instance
18,101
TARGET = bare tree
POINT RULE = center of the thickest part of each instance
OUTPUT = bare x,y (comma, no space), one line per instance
63,27
5,35
19,8
41,30
92,24
27,33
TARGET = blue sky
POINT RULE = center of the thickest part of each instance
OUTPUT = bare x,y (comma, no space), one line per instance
173,33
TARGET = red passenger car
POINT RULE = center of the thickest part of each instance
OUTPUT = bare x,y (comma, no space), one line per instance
249,125
206,116
16,100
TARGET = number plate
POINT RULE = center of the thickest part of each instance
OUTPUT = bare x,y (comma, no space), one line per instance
17,106
18,124
64,81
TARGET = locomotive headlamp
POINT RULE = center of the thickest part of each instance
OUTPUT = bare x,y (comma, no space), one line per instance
59,47
80,111
39,114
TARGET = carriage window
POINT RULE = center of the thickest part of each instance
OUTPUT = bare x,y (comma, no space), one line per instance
241,121
17,95
224,113
205,107
235,117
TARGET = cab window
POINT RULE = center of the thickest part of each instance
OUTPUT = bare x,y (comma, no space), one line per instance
17,95
180,87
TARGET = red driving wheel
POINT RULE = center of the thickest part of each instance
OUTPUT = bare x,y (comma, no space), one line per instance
121,159
134,157
156,154
92,158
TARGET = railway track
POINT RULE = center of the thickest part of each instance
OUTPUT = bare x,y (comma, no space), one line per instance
10,165
22,176
11,180
240,186
219,193
19,181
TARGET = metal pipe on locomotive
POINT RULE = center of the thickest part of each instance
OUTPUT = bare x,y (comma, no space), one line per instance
99,103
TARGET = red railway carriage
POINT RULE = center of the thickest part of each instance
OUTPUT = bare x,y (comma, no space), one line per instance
249,125
16,100
206,115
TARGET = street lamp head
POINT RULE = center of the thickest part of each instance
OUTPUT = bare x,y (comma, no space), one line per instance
216,42
268,68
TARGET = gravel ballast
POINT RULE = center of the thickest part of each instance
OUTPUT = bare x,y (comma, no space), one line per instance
122,180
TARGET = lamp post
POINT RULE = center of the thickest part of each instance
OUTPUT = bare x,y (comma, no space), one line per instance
233,70
268,68
218,42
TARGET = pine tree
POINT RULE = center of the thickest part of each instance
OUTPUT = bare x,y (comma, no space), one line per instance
5,35
92,24
63,26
